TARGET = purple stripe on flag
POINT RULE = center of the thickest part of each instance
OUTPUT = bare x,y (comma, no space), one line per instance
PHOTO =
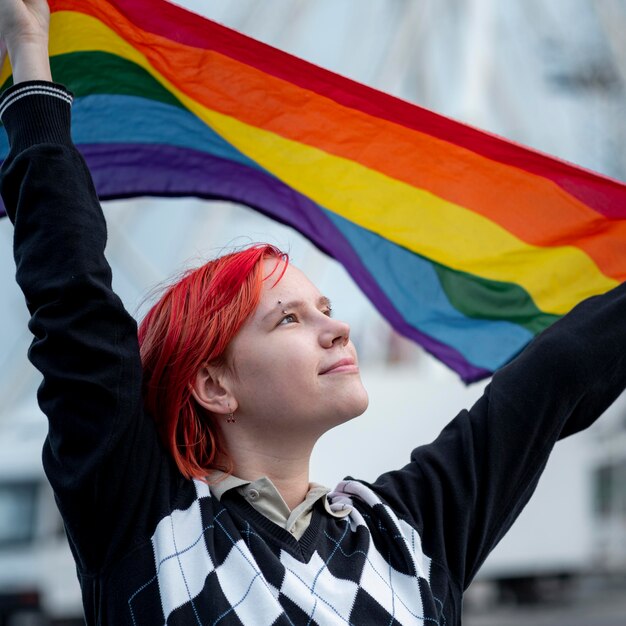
123,170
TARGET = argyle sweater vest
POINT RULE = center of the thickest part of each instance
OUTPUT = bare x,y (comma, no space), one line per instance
225,563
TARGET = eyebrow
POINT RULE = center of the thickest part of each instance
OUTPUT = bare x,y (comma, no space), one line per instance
322,301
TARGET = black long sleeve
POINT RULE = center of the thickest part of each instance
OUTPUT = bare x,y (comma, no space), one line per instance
466,488
85,343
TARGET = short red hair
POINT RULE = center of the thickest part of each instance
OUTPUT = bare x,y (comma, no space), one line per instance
191,325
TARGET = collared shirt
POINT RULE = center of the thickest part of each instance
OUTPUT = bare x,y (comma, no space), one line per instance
266,499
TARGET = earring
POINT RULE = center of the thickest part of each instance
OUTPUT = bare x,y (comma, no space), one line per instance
231,418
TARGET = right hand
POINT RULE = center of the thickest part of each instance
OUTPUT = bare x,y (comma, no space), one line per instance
24,26
24,21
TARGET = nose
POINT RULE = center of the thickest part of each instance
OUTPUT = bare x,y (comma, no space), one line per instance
334,333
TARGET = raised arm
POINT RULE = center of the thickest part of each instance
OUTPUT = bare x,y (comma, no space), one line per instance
465,489
102,455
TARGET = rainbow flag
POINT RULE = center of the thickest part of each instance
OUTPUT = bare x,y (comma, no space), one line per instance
466,243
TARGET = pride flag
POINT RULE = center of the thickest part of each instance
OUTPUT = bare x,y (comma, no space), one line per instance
467,243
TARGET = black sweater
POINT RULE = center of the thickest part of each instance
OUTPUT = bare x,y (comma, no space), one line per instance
152,547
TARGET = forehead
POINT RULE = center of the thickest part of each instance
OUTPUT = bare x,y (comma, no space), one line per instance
294,284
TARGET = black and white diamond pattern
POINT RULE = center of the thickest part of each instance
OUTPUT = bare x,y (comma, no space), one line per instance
346,578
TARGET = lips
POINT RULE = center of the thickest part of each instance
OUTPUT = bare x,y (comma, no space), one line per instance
343,365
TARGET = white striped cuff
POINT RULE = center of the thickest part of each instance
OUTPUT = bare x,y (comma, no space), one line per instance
31,90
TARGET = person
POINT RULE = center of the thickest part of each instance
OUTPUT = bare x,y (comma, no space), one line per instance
183,480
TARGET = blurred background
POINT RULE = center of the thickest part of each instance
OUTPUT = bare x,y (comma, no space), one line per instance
548,74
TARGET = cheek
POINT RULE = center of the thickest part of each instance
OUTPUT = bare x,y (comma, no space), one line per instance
276,357
275,376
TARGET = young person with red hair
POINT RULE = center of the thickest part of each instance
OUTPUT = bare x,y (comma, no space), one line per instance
179,453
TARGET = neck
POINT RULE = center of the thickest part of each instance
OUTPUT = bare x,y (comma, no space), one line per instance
285,463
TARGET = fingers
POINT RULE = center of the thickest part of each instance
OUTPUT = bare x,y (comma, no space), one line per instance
23,20
24,26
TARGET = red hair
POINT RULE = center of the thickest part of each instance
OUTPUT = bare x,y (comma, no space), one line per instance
190,326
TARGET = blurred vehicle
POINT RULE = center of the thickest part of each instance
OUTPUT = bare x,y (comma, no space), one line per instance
38,584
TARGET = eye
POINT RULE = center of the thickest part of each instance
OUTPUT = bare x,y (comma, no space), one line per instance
288,319
328,311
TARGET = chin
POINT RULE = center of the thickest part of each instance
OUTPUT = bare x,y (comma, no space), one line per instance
363,404
354,406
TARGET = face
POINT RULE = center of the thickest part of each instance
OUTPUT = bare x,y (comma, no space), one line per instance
294,364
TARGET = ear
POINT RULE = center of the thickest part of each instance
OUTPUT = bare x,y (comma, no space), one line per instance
211,392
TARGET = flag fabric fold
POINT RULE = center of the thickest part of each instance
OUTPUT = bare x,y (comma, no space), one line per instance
467,243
